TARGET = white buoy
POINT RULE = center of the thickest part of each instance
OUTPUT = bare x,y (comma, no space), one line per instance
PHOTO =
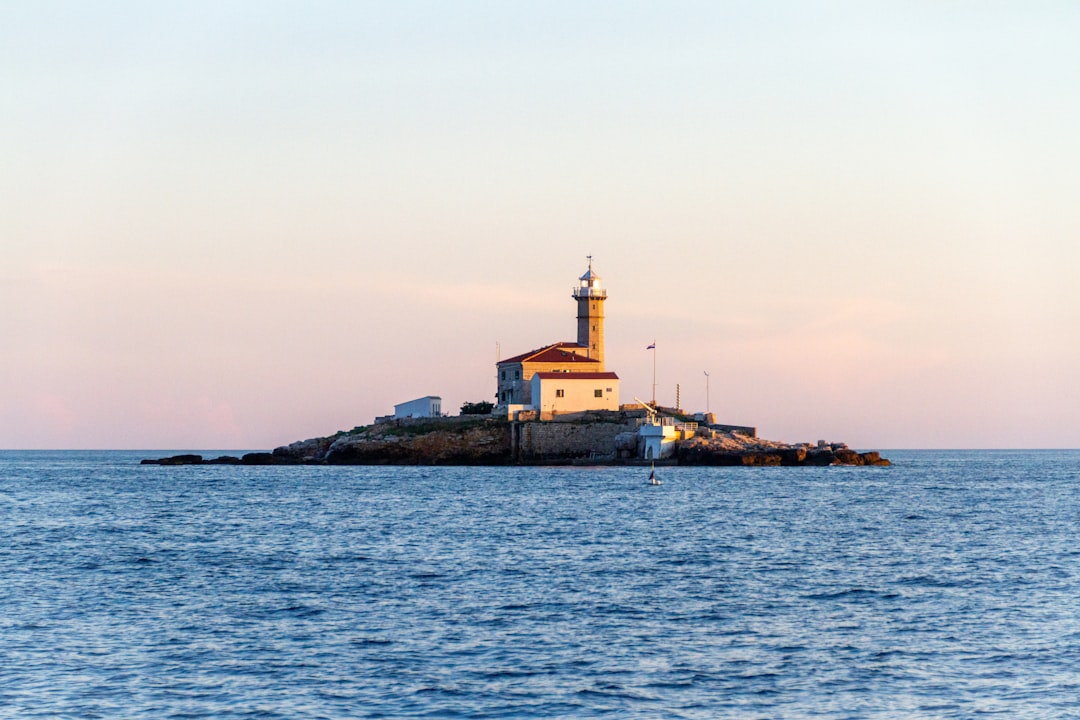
653,480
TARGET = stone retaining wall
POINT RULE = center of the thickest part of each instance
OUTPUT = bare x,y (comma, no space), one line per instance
548,441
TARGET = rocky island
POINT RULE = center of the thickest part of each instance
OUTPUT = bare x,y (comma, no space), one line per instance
555,404
594,438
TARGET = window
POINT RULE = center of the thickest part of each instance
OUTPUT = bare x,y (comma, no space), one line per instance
502,375
517,374
598,393
560,393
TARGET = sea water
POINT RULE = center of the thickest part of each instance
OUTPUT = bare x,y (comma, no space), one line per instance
946,586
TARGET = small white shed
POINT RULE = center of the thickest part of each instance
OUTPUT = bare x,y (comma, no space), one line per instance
430,406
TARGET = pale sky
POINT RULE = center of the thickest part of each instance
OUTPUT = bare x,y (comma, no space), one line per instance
239,224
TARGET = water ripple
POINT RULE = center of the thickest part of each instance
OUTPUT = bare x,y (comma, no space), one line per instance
944,587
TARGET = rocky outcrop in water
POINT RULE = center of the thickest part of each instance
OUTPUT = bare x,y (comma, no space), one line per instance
489,441
483,442
735,450
256,458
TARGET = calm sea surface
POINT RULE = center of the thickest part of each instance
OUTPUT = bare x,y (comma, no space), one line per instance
947,586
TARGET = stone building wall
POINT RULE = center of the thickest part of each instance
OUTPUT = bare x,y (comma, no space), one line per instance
522,386
538,441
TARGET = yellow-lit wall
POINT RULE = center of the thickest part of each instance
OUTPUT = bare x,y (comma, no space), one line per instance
578,394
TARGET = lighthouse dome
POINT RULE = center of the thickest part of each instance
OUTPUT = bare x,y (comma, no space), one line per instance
589,285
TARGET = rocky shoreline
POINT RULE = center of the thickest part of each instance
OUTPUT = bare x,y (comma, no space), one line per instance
604,439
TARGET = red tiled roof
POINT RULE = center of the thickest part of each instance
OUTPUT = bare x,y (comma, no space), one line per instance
576,376
551,354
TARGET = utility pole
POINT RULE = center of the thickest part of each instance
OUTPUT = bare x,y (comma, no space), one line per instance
653,348
706,392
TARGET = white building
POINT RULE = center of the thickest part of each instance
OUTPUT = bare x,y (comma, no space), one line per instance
658,436
566,392
585,357
430,406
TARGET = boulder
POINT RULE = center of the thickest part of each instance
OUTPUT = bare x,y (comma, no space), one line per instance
793,456
874,458
846,456
820,457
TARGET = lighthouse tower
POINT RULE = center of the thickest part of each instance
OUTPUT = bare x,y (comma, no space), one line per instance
590,298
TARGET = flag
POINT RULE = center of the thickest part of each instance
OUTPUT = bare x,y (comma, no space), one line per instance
651,347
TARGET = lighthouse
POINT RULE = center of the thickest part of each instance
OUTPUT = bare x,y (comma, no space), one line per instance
564,377
590,296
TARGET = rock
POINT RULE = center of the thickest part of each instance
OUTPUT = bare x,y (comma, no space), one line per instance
259,458
176,460
874,459
846,456
309,451
793,456
819,457
483,442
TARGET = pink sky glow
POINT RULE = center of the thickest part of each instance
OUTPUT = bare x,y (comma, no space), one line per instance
235,226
